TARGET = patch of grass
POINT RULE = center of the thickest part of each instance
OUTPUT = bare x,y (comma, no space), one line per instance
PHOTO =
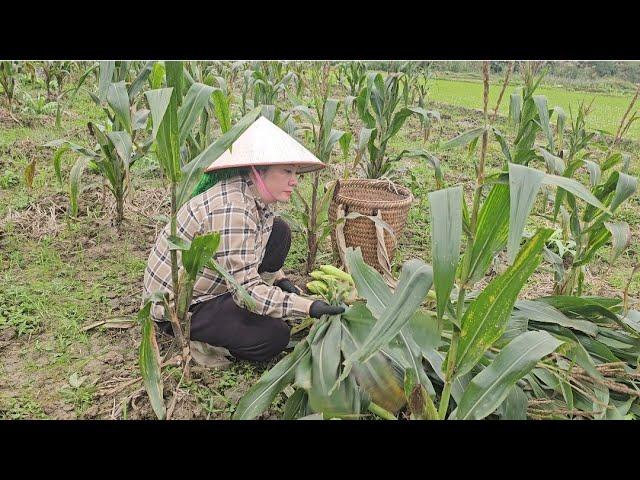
81,397
606,113
23,407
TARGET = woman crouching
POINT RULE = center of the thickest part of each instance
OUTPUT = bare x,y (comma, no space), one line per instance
234,198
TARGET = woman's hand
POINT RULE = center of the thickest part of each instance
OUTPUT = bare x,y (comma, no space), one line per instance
285,285
319,308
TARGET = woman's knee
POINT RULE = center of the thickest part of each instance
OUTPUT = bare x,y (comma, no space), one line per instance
277,341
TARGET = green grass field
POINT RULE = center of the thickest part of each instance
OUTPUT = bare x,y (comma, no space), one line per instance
606,113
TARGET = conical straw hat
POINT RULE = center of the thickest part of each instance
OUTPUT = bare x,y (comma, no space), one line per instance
264,143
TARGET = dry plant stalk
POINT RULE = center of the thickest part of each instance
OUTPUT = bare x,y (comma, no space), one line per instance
618,136
504,87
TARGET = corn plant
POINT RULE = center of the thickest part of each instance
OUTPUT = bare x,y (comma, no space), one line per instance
591,229
485,349
409,82
377,104
8,82
40,105
118,147
313,211
58,71
421,88
217,107
174,116
312,375
355,76
270,82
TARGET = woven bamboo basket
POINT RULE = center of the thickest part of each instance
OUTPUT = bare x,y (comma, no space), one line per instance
368,197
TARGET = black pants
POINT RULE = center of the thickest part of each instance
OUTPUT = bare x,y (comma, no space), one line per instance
248,336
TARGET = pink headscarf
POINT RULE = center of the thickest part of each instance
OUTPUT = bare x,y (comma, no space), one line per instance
262,188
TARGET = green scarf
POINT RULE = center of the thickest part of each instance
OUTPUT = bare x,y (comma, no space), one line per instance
209,179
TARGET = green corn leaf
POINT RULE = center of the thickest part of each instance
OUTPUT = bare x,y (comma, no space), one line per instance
424,330
149,363
464,138
295,406
524,184
446,225
221,110
157,75
140,118
118,99
140,80
515,109
555,164
74,183
611,161
194,102
369,283
199,253
378,377
332,138
486,318
168,147
175,79
363,139
503,144
561,117
431,160
490,387
601,393
306,113
302,377
586,307
594,172
261,395
106,74
406,348
345,142
625,188
396,123
543,115
414,283
192,171
459,385
545,313
57,159
492,231
514,406
123,145
620,238
325,369
158,102
574,187
328,115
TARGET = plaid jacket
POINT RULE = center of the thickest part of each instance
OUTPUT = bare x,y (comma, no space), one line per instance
234,208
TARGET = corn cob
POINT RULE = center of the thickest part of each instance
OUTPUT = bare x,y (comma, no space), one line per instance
317,286
336,272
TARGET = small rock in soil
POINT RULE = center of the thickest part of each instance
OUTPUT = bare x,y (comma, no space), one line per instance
113,358
91,412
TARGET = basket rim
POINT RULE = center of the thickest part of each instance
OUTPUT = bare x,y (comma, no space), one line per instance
408,195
